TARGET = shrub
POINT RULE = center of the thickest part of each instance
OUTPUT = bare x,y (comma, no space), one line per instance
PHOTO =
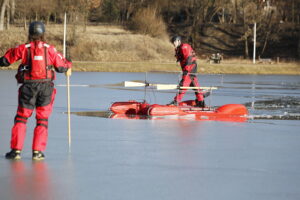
147,21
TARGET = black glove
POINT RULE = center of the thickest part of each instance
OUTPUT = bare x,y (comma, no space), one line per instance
4,62
68,56
68,59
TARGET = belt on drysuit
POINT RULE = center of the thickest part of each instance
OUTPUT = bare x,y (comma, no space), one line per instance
23,68
192,72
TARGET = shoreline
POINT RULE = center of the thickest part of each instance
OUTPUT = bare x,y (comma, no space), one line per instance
172,67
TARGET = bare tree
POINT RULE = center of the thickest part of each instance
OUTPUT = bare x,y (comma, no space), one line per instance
8,10
12,12
85,6
298,48
249,13
2,13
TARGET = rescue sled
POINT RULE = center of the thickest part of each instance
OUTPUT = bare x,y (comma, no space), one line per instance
228,112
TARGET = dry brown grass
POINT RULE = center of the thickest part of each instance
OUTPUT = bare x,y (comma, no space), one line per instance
111,48
204,67
98,43
248,68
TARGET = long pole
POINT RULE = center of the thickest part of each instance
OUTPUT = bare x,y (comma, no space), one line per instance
254,42
68,84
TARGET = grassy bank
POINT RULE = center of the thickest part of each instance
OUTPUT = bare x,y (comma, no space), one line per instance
112,49
204,68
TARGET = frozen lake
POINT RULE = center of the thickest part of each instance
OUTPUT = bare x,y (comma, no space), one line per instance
115,159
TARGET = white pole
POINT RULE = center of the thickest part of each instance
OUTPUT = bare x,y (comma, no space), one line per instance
65,32
68,84
254,42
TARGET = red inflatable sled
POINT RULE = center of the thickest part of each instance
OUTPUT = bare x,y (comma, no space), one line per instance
134,109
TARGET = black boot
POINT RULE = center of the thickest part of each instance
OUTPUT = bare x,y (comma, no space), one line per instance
174,103
200,104
206,94
38,155
14,154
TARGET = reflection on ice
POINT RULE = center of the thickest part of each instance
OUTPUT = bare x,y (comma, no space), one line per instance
193,117
108,114
30,182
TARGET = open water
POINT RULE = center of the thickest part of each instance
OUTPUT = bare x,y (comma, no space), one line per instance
168,159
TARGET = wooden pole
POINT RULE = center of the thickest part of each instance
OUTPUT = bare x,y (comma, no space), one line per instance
68,84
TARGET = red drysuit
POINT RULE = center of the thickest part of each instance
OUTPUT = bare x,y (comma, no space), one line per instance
39,61
187,58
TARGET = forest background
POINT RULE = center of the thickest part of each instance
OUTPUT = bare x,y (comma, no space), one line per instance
133,35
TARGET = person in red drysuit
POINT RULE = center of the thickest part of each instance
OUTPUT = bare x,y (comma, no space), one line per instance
36,73
187,58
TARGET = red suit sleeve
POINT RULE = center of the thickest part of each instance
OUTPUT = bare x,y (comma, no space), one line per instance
14,54
60,63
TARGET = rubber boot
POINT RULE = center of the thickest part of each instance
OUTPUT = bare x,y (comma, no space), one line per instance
200,104
38,155
174,103
14,154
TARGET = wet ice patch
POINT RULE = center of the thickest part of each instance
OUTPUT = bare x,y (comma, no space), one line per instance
285,108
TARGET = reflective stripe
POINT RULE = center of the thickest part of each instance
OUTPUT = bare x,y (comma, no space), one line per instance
45,45
38,58
18,116
19,121
42,120
39,124
37,80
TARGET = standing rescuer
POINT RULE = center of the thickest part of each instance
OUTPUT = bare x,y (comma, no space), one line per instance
187,58
36,73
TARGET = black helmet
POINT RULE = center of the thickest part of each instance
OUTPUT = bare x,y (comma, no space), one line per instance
36,28
174,38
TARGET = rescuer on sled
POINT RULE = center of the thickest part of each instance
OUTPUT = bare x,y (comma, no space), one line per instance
187,58
36,73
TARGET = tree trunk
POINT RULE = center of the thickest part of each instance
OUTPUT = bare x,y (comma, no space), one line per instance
293,11
223,15
2,14
265,44
25,25
235,12
55,18
299,48
85,21
8,10
246,53
12,11
246,50
48,18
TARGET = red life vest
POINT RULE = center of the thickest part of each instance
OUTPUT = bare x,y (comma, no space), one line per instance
185,54
35,67
187,58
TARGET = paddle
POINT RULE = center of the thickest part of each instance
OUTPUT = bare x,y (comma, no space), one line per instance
163,86
136,84
173,86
